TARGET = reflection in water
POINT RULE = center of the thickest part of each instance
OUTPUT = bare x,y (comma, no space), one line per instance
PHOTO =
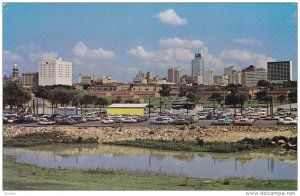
259,164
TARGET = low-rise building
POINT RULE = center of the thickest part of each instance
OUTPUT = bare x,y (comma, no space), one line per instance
251,76
135,109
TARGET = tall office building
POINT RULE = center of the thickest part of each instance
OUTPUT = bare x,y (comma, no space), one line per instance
198,65
54,71
173,75
251,76
279,71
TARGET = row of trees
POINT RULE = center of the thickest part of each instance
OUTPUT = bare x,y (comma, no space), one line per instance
65,95
15,95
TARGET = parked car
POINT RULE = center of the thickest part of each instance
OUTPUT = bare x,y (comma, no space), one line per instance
181,121
46,122
287,121
64,121
107,121
23,120
92,118
129,120
221,121
79,119
244,121
202,116
141,119
162,121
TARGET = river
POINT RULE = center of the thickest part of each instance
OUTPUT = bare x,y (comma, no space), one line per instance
262,164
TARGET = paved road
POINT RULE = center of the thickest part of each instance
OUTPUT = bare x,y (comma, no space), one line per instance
147,123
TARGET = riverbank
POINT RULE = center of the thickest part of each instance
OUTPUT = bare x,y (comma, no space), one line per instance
219,147
19,176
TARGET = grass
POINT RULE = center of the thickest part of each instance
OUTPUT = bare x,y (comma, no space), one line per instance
19,176
44,138
200,146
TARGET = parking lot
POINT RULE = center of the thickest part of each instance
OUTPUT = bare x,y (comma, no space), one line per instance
145,123
203,117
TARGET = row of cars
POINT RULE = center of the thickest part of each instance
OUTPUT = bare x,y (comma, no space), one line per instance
176,120
111,119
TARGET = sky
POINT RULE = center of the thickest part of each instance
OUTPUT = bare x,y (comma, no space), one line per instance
121,39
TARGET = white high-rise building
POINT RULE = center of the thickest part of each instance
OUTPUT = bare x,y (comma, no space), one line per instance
54,71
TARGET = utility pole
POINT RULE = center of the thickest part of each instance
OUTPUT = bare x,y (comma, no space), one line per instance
149,108
160,105
44,106
37,106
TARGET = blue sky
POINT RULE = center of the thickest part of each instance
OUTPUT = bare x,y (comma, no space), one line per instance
119,39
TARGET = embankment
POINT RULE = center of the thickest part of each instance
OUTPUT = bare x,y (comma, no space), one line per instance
70,134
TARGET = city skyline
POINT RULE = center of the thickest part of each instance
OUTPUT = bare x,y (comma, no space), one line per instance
121,39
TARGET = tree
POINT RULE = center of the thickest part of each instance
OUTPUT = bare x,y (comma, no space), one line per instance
165,90
263,83
15,95
129,101
292,98
233,100
101,101
281,98
232,88
215,97
192,96
262,96
87,99
242,98
61,96
290,83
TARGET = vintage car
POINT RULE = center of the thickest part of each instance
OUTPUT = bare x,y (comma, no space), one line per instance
244,121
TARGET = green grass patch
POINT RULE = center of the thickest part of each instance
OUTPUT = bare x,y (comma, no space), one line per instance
19,176
199,145
44,138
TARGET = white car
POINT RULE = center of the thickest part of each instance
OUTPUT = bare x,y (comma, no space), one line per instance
46,122
107,121
288,121
92,118
129,120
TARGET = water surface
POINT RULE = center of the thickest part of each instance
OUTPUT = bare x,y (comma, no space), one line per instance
263,164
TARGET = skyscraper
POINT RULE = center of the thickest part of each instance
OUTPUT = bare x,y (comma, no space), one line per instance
279,71
173,75
198,65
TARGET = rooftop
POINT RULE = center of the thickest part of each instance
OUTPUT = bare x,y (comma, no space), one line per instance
124,105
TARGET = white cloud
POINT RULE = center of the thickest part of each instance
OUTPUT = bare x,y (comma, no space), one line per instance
247,41
181,43
139,52
82,51
166,56
39,56
246,57
180,56
170,17
11,57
